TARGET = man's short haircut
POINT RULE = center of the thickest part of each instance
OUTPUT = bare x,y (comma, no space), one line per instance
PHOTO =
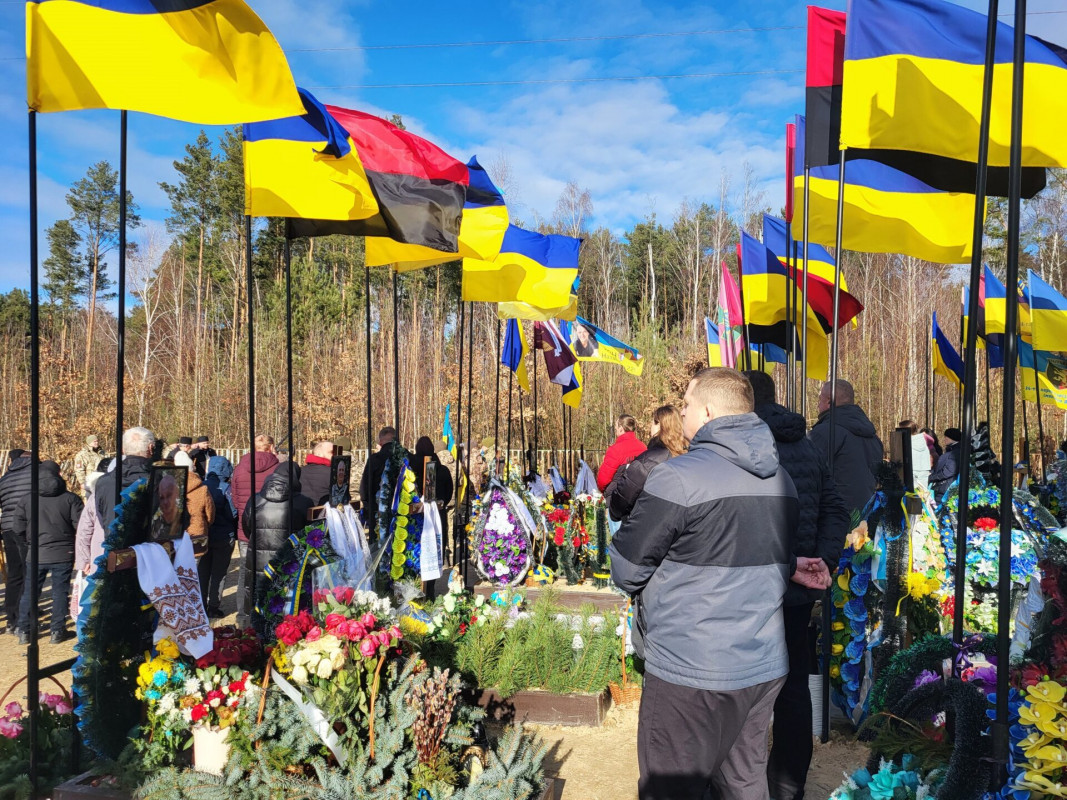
626,422
137,441
389,431
725,391
762,387
846,395
323,449
264,442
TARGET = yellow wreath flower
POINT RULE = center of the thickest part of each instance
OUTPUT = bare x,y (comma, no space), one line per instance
1035,712
1046,691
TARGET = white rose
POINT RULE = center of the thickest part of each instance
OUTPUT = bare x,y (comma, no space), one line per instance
479,601
300,675
325,669
450,603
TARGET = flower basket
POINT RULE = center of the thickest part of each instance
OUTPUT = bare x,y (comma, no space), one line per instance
211,749
627,692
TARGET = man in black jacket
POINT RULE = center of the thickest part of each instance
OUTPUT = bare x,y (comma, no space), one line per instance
856,447
821,529
58,512
13,487
948,465
372,478
137,447
315,476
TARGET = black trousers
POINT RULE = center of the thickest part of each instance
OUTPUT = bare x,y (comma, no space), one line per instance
791,749
15,560
690,741
212,569
61,575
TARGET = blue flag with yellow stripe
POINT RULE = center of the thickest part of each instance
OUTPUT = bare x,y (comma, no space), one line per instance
534,268
513,353
946,361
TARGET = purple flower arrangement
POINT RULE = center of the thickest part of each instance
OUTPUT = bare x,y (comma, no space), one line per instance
501,543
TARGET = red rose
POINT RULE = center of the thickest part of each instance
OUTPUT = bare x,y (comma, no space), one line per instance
199,712
576,542
304,621
288,633
558,539
333,621
344,594
236,687
462,627
314,634
204,661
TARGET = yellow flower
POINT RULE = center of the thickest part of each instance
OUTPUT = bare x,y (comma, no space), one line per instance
842,581
1053,754
1056,728
167,649
396,573
837,649
835,671
858,537
1035,712
837,626
1034,742
1047,691
1037,782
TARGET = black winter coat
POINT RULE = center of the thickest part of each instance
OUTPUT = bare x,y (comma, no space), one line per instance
823,522
630,479
133,469
857,453
14,486
58,512
223,529
315,480
946,471
272,508
369,483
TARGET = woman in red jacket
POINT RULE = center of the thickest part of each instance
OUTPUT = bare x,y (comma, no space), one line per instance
623,450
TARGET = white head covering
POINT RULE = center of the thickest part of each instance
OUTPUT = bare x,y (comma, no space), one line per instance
182,459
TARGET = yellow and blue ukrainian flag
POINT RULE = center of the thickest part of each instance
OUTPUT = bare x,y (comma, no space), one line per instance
946,361
913,82
534,268
516,310
572,392
1051,374
513,353
607,348
211,62
772,354
1048,316
305,168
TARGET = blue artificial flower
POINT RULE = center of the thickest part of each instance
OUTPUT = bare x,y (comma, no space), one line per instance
159,679
862,778
854,649
859,583
855,609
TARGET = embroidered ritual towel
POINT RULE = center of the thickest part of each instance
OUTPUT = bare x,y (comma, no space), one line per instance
174,591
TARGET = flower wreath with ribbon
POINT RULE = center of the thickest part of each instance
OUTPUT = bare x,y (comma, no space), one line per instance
502,545
405,528
285,587
849,623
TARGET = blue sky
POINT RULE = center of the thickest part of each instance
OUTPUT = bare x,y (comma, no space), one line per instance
635,145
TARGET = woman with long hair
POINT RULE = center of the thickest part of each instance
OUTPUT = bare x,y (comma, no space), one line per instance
667,441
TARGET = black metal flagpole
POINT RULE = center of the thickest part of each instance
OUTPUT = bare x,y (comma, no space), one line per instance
790,316
370,396
250,561
33,653
120,316
926,381
534,459
1001,739
289,366
458,524
970,367
804,299
835,322
1040,423
507,453
465,544
396,358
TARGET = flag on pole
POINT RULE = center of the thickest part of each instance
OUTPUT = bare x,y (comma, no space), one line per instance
420,189
822,96
210,62
448,436
729,318
715,350
559,360
1048,316
481,230
913,82
1051,375
886,211
306,167
534,268
513,354
589,343
946,361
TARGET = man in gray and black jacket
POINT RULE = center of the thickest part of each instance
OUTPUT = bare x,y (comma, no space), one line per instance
707,554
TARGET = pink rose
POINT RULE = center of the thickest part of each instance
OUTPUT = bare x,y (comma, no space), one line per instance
63,707
368,647
396,633
356,631
313,635
368,620
9,729
383,638
334,620
13,710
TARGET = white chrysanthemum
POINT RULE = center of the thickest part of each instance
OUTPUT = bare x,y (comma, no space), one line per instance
192,686
166,703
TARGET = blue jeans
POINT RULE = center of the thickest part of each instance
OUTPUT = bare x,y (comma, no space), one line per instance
61,574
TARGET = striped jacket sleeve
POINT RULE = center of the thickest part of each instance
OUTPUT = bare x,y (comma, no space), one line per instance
646,537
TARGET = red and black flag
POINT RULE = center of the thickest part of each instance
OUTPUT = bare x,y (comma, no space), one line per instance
419,187
825,75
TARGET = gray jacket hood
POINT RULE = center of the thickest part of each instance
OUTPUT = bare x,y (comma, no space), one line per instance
742,439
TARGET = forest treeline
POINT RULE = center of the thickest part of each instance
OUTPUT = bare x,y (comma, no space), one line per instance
650,285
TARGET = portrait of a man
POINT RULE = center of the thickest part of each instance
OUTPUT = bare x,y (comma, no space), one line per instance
340,469
168,519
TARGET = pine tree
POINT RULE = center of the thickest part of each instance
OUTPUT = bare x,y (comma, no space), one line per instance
66,278
94,205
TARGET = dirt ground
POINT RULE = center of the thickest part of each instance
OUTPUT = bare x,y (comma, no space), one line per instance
593,763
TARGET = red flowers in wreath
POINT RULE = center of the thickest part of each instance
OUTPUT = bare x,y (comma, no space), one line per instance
558,538
986,524
233,647
292,629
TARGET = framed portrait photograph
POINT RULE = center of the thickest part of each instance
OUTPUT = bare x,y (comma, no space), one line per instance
583,341
169,517
340,472
429,482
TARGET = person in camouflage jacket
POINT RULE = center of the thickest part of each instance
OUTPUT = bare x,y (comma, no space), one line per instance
85,462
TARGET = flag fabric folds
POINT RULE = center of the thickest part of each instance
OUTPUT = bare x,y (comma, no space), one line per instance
715,351
1051,375
589,343
886,211
420,189
210,62
448,436
306,167
946,361
1048,316
534,268
821,264
513,353
572,390
995,300
559,360
729,318
822,97
913,82
481,230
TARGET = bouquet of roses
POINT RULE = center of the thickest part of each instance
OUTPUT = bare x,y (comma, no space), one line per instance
233,647
214,697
